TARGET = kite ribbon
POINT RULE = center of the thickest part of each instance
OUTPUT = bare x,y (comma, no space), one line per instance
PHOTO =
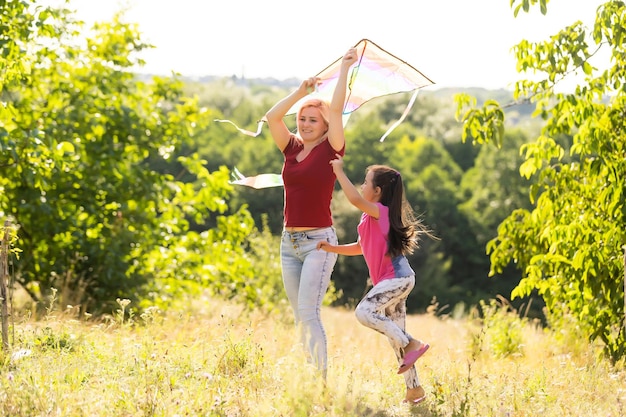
244,131
345,118
406,111
258,181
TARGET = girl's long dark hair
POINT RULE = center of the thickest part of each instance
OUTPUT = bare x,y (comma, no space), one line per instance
405,228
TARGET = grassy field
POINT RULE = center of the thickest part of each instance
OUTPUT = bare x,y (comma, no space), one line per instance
214,359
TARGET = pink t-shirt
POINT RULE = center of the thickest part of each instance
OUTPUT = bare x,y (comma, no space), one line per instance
308,184
373,237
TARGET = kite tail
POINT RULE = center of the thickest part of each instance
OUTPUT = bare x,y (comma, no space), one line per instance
406,111
258,181
244,131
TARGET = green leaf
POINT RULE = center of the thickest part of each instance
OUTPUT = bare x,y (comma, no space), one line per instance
64,147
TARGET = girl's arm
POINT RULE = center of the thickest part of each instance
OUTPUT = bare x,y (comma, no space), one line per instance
352,194
278,129
336,136
350,249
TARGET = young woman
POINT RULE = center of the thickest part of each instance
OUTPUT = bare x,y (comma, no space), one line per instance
387,232
309,181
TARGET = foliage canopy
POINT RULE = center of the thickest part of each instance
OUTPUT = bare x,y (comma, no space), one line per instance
85,150
570,245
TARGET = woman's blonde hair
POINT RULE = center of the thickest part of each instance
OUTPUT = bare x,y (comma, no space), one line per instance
322,105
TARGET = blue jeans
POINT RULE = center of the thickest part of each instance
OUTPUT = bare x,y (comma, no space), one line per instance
306,276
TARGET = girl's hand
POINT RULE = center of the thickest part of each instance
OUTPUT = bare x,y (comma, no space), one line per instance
323,245
337,163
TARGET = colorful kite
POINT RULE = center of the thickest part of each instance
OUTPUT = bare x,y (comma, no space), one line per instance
376,73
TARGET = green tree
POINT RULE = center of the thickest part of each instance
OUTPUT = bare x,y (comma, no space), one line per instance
569,247
80,136
493,188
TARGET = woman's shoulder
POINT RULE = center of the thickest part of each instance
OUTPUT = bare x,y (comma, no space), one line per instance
332,150
294,143
295,139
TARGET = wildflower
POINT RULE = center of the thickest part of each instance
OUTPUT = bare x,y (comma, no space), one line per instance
22,353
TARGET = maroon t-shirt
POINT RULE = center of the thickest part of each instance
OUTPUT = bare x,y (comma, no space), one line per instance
308,184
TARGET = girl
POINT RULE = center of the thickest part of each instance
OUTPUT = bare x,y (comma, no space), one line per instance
387,232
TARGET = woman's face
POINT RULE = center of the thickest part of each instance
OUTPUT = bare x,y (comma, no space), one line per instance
311,124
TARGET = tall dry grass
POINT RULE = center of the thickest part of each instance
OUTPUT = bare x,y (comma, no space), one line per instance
215,359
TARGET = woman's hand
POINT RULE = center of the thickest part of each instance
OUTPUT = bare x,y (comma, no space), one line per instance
349,57
309,85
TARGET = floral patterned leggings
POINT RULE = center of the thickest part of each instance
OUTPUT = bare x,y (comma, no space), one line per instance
384,309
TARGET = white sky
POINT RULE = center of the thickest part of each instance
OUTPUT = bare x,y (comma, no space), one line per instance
456,43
